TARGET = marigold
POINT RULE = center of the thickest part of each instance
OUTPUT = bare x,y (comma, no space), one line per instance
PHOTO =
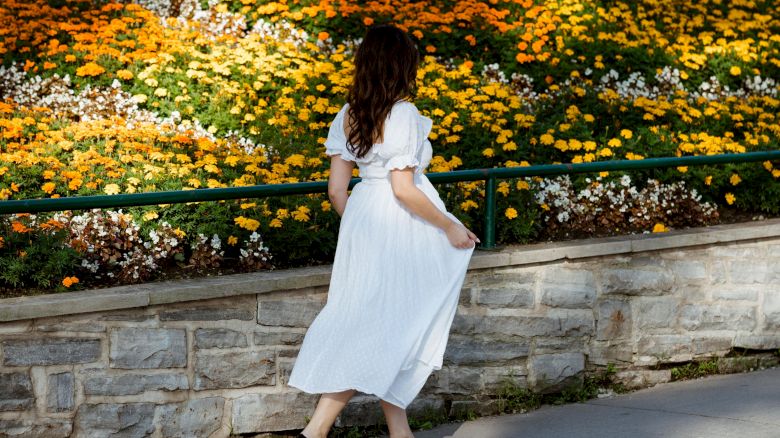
48,187
659,228
510,213
730,198
735,179
111,189
90,69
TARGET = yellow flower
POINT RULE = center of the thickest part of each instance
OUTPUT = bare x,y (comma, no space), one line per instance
124,74
69,281
301,214
488,152
90,69
282,213
615,142
232,240
708,179
523,185
149,215
468,205
735,179
730,198
48,187
626,133
735,70
547,139
246,223
659,228
275,223
325,206
503,188
510,213
248,205
682,169
111,189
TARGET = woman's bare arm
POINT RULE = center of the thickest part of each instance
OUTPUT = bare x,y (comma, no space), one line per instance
338,182
418,203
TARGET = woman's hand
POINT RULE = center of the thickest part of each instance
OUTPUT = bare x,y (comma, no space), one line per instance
460,236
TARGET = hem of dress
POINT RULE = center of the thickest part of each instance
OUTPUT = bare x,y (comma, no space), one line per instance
360,388
395,400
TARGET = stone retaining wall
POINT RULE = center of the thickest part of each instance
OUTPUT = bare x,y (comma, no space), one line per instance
210,357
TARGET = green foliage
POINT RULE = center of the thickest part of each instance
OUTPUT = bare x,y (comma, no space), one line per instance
695,370
35,260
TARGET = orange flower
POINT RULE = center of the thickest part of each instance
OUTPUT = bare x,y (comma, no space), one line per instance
322,36
368,21
90,69
69,281
19,227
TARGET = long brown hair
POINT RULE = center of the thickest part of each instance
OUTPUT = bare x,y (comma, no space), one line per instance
385,72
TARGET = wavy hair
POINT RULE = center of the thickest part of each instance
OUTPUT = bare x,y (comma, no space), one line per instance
385,72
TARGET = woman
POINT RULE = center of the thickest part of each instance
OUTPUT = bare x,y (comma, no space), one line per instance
401,258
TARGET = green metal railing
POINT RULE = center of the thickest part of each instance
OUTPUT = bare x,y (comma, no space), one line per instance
490,176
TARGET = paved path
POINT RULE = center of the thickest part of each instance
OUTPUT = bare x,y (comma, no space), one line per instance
734,405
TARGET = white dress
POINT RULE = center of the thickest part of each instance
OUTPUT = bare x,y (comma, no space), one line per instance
396,278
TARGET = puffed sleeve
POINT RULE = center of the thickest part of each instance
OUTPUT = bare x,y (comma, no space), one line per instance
402,137
336,142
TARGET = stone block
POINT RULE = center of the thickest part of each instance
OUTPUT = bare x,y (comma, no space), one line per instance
219,338
426,407
132,384
636,379
60,392
16,392
71,326
718,271
636,281
209,313
246,368
135,347
520,296
37,428
50,351
265,336
463,380
712,345
717,317
288,312
735,292
361,410
497,378
614,320
551,372
573,322
473,351
688,270
524,326
749,271
191,418
114,419
771,310
606,352
757,342
653,349
656,312
253,413
558,344
571,288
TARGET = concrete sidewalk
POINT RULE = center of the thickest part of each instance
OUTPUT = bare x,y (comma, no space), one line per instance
734,405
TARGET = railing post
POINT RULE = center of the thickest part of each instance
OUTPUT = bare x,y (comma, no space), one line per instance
489,237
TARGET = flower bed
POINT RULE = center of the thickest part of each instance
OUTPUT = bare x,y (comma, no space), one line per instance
107,98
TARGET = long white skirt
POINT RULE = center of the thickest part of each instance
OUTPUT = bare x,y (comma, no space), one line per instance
393,294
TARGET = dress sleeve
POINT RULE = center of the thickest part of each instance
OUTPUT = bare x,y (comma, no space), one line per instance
336,142
401,142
